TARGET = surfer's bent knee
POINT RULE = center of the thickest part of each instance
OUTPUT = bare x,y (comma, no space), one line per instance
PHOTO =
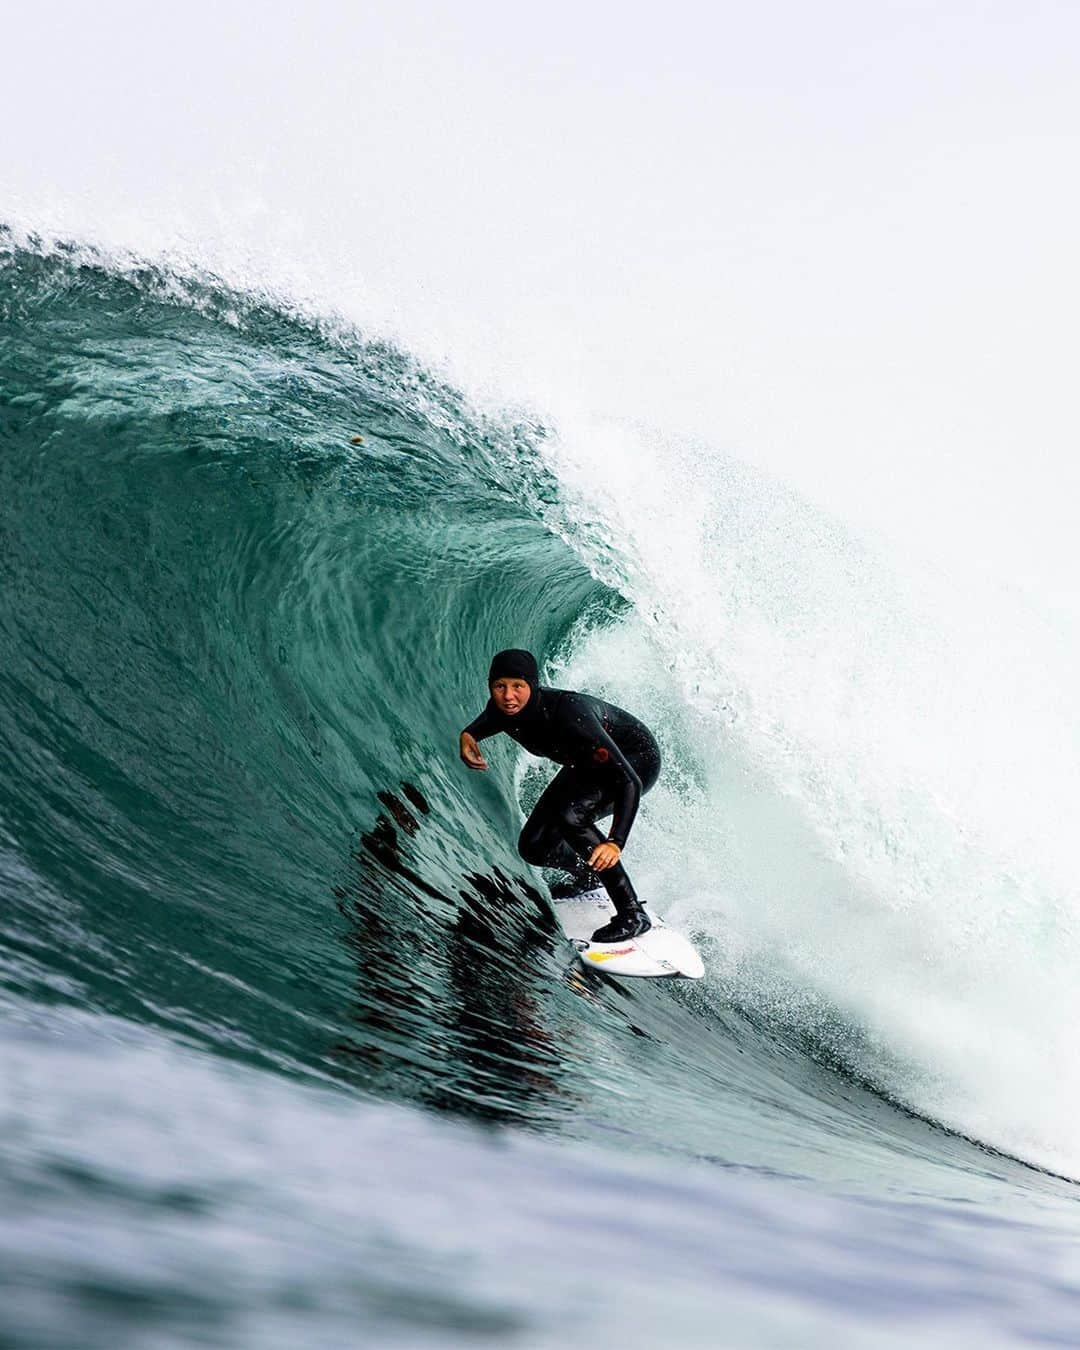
529,846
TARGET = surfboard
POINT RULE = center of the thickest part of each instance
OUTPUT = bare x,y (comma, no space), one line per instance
661,952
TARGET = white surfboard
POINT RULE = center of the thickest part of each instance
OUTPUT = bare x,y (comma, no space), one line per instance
659,952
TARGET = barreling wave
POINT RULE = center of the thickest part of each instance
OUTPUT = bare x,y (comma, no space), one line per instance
253,570
254,567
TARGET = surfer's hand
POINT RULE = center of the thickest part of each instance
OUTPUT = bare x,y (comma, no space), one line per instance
604,856
470,752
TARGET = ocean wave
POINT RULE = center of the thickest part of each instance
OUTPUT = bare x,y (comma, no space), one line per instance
254,568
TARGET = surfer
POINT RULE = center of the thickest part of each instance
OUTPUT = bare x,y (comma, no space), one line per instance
609,759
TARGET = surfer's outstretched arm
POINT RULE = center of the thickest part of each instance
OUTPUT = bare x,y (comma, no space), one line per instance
484,725
470,752
478,728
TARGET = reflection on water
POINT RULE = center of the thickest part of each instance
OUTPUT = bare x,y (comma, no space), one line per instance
455,1014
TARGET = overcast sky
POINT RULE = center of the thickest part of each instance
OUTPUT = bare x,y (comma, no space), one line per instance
839,239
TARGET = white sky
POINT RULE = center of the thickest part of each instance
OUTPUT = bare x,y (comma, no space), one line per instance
838,239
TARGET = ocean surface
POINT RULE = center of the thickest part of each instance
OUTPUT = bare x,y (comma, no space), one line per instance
292,1051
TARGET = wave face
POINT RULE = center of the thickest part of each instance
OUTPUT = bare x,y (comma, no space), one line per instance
255,911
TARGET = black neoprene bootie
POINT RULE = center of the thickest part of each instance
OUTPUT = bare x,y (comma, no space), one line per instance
629,923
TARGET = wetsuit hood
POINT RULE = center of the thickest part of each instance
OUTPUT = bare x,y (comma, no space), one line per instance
515,664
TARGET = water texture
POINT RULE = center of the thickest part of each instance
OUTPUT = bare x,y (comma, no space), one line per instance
291,1049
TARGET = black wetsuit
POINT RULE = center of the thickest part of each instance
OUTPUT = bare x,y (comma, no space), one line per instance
609,759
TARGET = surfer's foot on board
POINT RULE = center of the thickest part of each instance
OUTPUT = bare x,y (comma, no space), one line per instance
630,923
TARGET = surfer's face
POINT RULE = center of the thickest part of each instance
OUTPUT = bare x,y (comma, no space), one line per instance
510,695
